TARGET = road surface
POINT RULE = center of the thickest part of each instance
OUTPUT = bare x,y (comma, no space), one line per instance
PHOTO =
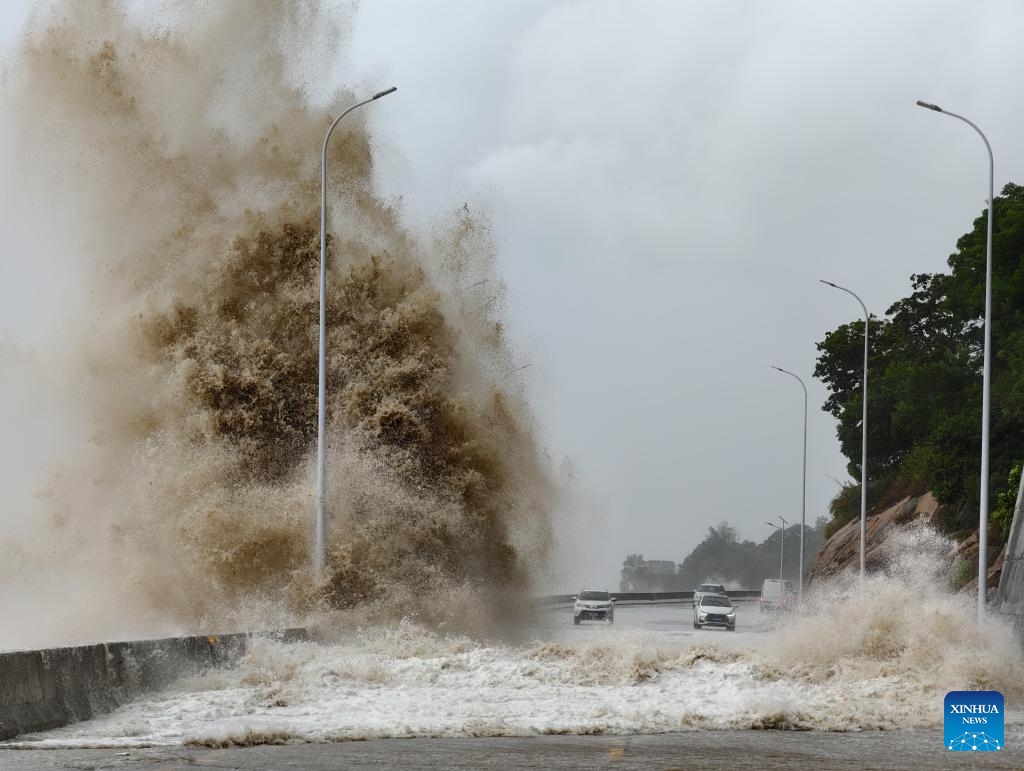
890,750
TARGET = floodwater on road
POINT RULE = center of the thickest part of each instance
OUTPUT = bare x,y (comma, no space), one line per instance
649,673
672,622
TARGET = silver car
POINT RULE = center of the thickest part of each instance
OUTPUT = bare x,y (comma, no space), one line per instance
591,604
715,610
703,589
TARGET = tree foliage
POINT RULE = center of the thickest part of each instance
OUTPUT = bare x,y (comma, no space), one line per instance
926,357
723,558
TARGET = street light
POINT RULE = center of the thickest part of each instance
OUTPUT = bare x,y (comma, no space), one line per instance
782,547
864,434
803,499
321,421
986,372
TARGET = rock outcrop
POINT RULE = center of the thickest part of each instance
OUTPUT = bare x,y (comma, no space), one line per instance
995,570
842,550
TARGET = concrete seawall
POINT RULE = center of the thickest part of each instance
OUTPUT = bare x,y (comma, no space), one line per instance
54,687
1010,595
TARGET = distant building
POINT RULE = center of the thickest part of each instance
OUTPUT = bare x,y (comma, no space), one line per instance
640,575
660,567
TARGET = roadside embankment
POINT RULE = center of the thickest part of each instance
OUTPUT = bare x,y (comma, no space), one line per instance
842,551
50,688
1010,594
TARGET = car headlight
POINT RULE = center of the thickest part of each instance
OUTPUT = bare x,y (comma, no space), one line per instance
731,614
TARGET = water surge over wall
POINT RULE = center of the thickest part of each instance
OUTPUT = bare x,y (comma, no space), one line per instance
874,656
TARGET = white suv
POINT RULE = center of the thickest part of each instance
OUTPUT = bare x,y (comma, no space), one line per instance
592,604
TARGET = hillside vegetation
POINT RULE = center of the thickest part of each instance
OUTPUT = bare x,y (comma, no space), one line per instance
925,383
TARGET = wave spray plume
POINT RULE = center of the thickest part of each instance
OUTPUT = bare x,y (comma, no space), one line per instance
184,151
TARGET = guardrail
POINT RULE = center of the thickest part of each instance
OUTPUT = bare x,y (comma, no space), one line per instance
627,597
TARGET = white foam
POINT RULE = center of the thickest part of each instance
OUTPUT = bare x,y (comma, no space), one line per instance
404,681
877,655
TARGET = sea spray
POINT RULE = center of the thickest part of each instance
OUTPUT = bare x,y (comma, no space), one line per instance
903,624
182,151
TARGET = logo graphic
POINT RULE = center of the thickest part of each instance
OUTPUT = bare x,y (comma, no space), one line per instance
974,721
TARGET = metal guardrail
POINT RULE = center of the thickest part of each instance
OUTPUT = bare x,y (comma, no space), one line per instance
627,597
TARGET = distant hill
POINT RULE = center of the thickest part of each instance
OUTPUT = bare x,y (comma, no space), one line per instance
723,558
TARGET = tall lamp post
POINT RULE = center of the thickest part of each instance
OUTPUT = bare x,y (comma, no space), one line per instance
986,372
319,557
803,498
864,434
782,546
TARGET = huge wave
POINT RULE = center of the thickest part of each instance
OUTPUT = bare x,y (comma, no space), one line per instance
182,150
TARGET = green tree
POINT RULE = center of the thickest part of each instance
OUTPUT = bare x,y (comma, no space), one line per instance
1002,514
924,410
632,573
722,555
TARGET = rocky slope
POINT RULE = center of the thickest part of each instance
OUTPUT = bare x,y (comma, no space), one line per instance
842,550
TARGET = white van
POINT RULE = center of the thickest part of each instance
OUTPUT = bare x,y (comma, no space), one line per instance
776,594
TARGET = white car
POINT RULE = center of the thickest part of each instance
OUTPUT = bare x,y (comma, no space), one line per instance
715,610
595,605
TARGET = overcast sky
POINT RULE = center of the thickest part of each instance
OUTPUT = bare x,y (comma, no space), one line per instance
667,182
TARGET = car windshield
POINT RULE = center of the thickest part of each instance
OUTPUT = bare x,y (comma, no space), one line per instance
710,588
593,595
716,602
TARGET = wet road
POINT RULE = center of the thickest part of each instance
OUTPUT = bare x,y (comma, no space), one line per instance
672,623
890,750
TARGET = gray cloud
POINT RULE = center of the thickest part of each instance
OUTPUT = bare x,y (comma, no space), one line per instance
668,181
